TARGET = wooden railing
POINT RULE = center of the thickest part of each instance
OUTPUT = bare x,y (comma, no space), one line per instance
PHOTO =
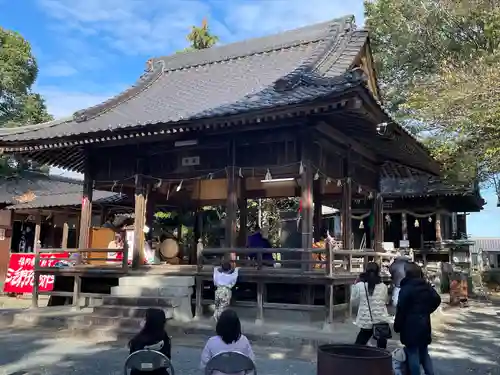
329,260
79,265
332,267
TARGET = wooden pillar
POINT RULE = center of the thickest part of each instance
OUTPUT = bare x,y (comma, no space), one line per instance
65,234
140,217
36,274
150,213
437,223
378,212
231,209
86,213
243,206
404,226
347,203
454,225
38,231
307,209
317,217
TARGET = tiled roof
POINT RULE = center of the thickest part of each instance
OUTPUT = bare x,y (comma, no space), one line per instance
485,244
424,186
48,191
287,68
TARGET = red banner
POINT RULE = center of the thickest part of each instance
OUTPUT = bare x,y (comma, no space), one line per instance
20,274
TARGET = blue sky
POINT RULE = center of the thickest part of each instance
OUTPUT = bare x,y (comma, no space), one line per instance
89,50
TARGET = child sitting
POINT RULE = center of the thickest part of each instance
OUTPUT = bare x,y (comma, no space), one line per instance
153,337
229,339
225,278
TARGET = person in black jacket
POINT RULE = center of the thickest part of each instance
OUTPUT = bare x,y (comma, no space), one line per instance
153,337
417,301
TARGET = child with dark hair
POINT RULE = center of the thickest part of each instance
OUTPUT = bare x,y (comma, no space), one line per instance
228,339
225,278
153,337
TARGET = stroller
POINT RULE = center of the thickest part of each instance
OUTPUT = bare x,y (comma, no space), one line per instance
147,360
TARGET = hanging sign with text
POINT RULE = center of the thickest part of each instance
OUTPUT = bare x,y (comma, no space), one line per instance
21,271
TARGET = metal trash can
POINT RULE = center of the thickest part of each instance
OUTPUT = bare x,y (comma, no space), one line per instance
353,360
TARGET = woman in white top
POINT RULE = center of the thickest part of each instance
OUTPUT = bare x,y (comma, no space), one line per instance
229,339
225,278
370,285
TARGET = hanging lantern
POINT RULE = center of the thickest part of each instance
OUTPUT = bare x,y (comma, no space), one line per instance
339,183
388,218
370,196
301,168
328,180
417,224
430,219
361,225
316,176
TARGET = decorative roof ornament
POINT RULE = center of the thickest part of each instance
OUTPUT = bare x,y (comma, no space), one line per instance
29,196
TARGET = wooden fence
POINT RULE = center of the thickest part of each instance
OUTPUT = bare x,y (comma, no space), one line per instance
80,268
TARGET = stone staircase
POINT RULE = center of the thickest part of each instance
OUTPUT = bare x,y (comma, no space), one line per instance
126,306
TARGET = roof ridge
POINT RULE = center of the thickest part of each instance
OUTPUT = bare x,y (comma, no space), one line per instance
307,72
155,68
318,32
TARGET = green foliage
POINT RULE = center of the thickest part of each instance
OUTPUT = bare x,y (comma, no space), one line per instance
18,104
438,63
200,37
18,72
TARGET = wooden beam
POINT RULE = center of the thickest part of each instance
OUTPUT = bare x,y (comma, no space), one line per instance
306,199
86,210
317,215
243,206
378,207
231,207
140,216
65,235
347,203
341,138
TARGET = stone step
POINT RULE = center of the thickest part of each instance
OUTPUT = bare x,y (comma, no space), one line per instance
129,311
139,291
141,301
157,281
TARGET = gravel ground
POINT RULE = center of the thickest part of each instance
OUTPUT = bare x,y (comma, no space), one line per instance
468,344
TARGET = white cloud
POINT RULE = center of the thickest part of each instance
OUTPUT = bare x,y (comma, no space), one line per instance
160,26
59,69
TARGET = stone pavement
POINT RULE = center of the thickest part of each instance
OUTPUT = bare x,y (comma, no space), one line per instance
468,343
